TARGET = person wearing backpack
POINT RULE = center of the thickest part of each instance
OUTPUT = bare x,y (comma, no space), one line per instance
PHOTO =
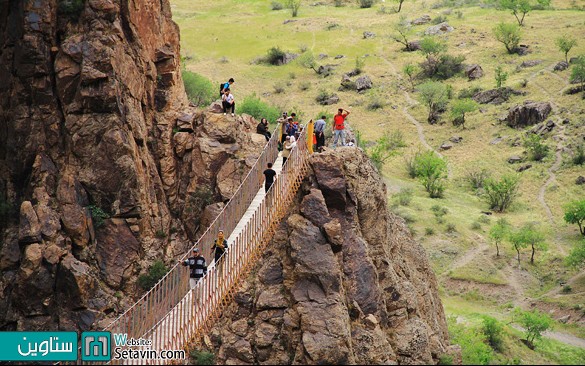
224,86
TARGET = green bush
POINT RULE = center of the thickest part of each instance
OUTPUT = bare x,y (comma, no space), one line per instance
469,92
459,108
475,225
579,155
578,72
476,177
535,323
404,197
431,171
536,149
492,329
434,95
500,194
500,77
274,56
202,357
385,147
474,347
445,360
366,3
451,228
275,5
438,20
199,89
258,109
577,256
98,215
429,231
155,272
575,214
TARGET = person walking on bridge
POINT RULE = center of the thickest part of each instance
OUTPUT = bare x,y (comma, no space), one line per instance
269,175
219,246
197,266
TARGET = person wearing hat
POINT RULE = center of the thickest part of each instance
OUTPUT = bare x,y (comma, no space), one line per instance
219,246
197,266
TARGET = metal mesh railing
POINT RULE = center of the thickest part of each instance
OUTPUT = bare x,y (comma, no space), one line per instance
171,314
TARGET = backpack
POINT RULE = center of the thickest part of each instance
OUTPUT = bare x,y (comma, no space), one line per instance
222,86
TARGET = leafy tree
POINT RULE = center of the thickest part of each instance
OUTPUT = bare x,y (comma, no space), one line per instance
536,149
294,6
518,242
199,89
501,193
577,255
575,214
535,323
501,77
526,236
307,60
431,171
459,108
433,94
493,329
402,32
578,71
474,348
431,48
410,70
509,34
386,147
518,7
499,232
565,43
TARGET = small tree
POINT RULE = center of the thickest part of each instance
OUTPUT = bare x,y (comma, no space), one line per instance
536,149
431,170
492,329
294,6
517,240
501,193
565,43
499,232
508,34
533,237
433,94
534,323
431,48
410,70
518,7
578,72
501,77
459,108
402,32
307,60
386,147
575,214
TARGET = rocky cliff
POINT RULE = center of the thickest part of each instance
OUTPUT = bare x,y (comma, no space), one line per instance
104,167
342,281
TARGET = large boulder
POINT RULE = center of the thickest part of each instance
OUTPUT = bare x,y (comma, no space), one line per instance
528,114
363,83
495,96
29,230
473,71
421,20
117,251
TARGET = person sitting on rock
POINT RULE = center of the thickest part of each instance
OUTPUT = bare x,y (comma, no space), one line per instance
197,266
262,129
228,102
224,86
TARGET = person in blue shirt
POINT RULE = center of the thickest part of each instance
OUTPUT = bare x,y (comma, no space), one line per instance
225,86
319,130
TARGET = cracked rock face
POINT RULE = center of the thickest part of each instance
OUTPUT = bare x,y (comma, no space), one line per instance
341,282
104,167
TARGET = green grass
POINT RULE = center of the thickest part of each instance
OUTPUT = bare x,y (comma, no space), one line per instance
208,35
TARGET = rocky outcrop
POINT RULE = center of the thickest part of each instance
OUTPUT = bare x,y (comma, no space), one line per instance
438,29
473,71
101,157
495,96
341,282
528,114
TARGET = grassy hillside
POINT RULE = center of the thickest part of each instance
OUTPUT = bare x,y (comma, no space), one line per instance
222,39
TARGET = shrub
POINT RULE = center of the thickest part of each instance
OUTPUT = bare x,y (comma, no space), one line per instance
155,272
410,70
323,97
98,215
536,149
475,226
477,177
508,34
253,106
433,95
404,197
484,219
431,171
474,348
202,357
385,147
500,194
431,48
199,89
274,56
575,214
410,163
445,360
579,155
578,72
6,211
448,66
276,5
501,77
402,32
567,289
279,88
535,323
429,231
469,92
365,3
305,85
492,329
438,20
577,255
375,104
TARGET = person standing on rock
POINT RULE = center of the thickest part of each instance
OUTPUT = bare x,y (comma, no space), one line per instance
225,86
269,175
339,126
320,132
197,266
262,129
228,102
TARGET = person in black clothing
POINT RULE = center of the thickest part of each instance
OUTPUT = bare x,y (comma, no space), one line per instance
219,246
269,174
197,266
262,129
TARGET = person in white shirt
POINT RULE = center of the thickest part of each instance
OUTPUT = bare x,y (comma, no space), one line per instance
227,101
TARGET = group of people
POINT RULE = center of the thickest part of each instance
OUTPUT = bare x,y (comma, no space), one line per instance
198,265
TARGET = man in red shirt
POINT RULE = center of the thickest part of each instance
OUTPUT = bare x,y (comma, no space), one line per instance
339,126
